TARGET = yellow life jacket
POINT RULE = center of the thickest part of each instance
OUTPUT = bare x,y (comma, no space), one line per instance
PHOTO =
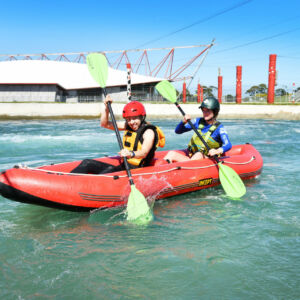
133,140
196,145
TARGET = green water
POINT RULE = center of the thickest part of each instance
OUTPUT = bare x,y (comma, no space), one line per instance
200,245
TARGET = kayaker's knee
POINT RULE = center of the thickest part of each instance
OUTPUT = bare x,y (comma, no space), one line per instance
86,162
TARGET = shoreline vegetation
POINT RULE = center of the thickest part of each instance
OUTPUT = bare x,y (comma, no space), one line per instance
28,111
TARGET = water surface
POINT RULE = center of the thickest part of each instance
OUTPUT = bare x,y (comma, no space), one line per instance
200,246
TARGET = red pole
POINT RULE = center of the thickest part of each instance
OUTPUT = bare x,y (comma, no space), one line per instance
184,93
238,84
198,93
272,77
220,79
201,94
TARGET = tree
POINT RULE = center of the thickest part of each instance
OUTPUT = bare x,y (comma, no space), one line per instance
257,89
229,97
253,90
280,92
263,89
188,93
208,91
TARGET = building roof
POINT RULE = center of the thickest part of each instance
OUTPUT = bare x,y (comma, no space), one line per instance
68,75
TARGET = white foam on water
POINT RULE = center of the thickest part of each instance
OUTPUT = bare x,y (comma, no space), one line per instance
297,130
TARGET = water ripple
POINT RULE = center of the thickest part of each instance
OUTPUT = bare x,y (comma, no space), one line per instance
200,246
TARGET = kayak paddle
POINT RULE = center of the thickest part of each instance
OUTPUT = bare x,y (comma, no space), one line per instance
230,180
138,210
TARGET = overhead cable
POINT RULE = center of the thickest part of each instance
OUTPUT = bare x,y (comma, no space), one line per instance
221,12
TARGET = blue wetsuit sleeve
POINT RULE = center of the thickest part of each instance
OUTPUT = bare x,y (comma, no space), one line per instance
181,127
226,144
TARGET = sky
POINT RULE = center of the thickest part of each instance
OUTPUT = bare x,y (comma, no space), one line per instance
246,32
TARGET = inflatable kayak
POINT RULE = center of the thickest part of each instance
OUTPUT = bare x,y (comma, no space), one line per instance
54,185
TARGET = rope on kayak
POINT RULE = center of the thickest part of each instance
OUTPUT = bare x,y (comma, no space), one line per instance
66,173
239,163
116,176
137,174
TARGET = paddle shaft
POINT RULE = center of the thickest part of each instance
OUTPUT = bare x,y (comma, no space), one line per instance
119,138
196,131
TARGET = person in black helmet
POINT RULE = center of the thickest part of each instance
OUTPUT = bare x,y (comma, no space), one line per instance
211,130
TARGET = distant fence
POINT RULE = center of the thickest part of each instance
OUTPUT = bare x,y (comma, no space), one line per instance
257,99
144,96
147,96
297,96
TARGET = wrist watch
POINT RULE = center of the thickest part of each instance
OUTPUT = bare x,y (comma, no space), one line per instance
132,154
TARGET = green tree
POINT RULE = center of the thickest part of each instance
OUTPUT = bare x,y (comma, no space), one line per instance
208,91
253,90
257,89
263,89
229,97
188,92
280,92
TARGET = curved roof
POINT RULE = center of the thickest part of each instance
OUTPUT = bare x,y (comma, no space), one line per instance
68,75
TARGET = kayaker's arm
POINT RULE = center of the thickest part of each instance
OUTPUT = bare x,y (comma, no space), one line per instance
183,126
148,140
104,120
224,139
226,144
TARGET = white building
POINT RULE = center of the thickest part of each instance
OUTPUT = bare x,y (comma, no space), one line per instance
57,81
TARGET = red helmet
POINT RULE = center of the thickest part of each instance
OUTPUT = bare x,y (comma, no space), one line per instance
134,109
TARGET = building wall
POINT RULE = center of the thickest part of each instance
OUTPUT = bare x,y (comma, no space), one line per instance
28,93
95,95
118,94
54,93
72,96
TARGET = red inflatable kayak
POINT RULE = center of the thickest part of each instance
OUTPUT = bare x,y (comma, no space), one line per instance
54,186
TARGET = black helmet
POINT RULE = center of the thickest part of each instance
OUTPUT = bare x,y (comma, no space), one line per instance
211,103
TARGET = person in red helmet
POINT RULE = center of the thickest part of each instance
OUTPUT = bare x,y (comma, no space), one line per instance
140,140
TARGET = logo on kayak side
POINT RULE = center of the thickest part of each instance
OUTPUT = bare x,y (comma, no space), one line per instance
206,181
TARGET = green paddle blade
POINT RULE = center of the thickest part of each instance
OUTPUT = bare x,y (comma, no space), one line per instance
98,68
231,182
166,89
138,211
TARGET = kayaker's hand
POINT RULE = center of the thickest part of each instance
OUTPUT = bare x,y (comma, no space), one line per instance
125,153
107,99
213,152
186,118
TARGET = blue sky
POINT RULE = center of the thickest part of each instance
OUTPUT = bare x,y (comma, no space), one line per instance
245,33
